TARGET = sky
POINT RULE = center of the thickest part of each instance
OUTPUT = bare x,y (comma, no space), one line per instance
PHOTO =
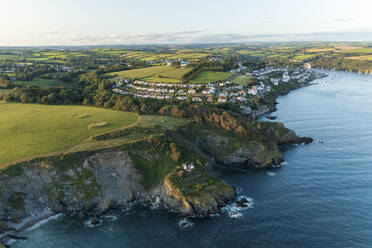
115,22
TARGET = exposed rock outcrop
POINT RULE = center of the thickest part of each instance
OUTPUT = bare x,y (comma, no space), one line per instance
95,182
147,171
259,148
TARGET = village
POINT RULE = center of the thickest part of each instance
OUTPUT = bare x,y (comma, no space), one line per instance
218,92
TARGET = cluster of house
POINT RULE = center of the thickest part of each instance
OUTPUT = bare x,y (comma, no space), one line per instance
11,68
285,75
220,92
168,62
62,68
239,69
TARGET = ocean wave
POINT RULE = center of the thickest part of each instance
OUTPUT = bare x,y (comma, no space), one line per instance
93,223
11,241
271,173
234,214
42,222
235,211
283,163
185,223
111,217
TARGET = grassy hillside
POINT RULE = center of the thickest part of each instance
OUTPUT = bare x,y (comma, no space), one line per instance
210,76
163,74
3,91
146,126
40,82
29,130
143,73
242,80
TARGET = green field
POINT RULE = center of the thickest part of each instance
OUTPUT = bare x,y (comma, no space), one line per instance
40,82
146,126
242,80
165,74
3,91
364,57
304,57
360,51
210,76
189,55
161,80
28,130
142,73
10,57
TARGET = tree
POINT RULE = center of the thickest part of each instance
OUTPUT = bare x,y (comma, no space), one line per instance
5,82
52,98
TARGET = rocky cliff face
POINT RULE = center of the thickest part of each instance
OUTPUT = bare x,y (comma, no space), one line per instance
147,171
94,182
259,148
97,182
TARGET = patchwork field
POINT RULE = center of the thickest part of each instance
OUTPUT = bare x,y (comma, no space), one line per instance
152,56
357,50
320,49
28,130
211,76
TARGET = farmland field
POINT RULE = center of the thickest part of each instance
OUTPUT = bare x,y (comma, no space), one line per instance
364,57
211,76
242,80
10,57
3,91
166,74
161,80
142,73
28,130
40,82
320,49
360,51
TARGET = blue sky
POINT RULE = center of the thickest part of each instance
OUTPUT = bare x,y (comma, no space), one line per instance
95,22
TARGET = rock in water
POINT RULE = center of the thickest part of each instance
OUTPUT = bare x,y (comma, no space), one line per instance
306,140
270,117
95,222
242,203
13,236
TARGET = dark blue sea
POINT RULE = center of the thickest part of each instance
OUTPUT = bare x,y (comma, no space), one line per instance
320,197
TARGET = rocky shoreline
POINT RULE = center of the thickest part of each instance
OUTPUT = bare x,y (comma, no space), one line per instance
118,185
95,182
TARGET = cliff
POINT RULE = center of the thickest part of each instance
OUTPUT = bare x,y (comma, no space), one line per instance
258,147
148,171
94,182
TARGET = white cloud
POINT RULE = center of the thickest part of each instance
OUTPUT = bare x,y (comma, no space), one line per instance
55,37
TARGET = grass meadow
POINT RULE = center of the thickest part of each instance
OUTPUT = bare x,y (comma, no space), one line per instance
242,80
29,130
163,74
210,76
41,82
